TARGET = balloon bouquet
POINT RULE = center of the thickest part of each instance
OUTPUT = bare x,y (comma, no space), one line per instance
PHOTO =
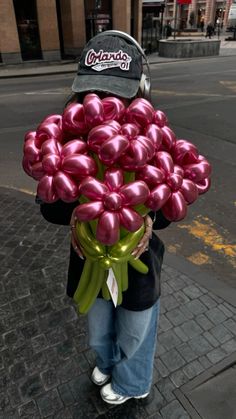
119,163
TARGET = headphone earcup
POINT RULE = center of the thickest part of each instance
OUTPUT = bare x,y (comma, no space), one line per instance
145,86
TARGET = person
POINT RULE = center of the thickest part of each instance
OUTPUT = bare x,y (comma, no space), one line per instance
168,29
209,30
202,25
123,337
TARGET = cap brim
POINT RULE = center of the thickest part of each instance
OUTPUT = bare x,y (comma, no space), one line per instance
123,87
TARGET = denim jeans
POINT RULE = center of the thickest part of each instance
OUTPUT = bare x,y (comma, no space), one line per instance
125,344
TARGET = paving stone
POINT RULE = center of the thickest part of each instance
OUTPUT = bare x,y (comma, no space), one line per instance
226,311
166,289
192,291
31,387
174,410
214,342
17,371
216,315
229,346
29,410
231,325
208,301
66,394
186,352
49,403
176,316
169,339
39,343
216,355
181,297
156,403
161,368
191,328
49,378
204,322
169,302
193,368
200,345
196,307
221,333
164,324
179,332
166,387
205,362
172,360
177,283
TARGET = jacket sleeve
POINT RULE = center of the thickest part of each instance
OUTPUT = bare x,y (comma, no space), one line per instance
57,213
159,221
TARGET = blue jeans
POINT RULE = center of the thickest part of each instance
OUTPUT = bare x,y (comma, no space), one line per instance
125,344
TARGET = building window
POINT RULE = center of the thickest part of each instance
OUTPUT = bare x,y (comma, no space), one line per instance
98,16
27,25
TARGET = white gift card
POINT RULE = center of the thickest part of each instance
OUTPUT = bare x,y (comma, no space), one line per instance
112,286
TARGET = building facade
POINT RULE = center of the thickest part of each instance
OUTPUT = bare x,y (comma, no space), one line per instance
197,14
55,29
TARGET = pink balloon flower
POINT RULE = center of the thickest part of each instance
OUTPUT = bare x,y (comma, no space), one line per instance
112,202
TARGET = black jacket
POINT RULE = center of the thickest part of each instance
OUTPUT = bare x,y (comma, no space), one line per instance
144,289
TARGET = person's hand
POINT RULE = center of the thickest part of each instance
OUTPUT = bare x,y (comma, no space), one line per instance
144,242
74,241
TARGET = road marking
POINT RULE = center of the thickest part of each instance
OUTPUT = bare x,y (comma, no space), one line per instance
229,85
204,229
199,258
174,93
26,191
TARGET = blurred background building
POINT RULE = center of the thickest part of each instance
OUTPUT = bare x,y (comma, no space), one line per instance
51,30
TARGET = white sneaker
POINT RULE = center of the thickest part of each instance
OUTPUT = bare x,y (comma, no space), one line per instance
98,377
109,395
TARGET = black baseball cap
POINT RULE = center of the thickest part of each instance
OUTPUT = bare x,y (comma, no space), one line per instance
109,63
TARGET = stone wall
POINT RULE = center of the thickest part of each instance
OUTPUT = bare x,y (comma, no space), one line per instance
188,48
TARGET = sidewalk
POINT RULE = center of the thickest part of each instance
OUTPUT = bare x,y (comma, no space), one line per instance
228,48
44,357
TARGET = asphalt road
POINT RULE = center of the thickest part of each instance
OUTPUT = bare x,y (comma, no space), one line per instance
199,99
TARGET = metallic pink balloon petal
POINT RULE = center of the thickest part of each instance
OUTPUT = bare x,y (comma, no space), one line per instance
47,130
129,130
151,175
135,157
51,146
175,208
93,188
114,178
113,148
46,190
140,112
55,119
159,118
37,170
179,170
184,152
189,191
130,219
158,197
108,231
27,166
79,166
113,107
197,171
73,119
66,188
76,146
148,144
112,201
51,163
89,211
164,161
114,124
30,135
31,152
174,181
168,139
98,135
154,133
134,193
93,110
203,186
